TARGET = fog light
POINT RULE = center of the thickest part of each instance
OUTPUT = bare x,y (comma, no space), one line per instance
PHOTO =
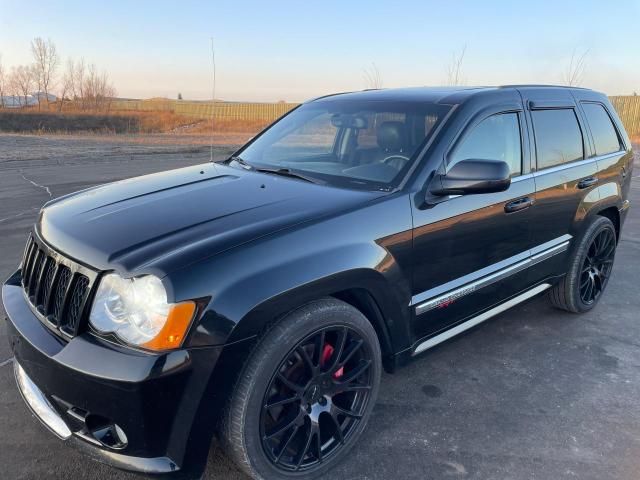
107,433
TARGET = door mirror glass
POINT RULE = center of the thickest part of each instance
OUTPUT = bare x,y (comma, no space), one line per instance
473,176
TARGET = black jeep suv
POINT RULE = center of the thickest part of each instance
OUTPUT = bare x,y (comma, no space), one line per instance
259,298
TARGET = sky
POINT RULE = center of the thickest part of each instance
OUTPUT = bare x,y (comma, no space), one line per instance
295,50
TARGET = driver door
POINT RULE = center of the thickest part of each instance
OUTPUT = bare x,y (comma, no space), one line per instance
467,248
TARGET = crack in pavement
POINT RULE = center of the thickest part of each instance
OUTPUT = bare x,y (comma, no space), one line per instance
44,187
6,362
32,209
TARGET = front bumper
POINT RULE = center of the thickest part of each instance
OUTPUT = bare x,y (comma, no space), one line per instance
82,387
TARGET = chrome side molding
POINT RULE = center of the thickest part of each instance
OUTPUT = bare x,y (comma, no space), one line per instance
538,254
433,341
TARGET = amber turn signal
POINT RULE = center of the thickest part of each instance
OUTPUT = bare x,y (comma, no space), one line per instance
174,330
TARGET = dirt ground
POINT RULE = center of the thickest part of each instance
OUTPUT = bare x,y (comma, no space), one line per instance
534,393
73,149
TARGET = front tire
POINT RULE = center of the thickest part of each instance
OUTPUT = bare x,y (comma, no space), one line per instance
591,264
305,394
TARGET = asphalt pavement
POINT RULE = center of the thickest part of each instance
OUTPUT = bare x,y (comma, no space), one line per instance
533,393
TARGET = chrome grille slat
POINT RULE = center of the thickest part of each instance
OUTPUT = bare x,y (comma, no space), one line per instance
57,288
26,265
32,261
27,250
35,272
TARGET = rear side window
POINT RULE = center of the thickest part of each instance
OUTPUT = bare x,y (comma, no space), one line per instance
558,137
604,133
495,138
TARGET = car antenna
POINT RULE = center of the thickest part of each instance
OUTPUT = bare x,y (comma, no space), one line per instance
213,100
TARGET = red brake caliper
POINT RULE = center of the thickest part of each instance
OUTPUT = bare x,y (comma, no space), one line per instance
326,355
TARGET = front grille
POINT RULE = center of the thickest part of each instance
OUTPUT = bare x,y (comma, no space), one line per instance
57,287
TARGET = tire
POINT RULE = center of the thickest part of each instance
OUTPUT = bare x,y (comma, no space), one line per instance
314,331
570,293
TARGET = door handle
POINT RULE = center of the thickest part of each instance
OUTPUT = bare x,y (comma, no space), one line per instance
587,182
519,204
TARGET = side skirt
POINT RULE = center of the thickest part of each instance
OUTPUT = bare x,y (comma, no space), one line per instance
472,322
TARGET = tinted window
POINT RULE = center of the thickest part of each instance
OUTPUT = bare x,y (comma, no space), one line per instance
604,133
558,137
494,138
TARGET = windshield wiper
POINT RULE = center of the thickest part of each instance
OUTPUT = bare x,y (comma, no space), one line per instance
285,172
241,161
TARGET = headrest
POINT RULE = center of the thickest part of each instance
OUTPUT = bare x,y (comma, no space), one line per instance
392,136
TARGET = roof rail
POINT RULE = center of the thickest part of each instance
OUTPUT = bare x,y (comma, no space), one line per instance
528,85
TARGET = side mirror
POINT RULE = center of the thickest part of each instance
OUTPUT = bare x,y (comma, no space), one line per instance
473,176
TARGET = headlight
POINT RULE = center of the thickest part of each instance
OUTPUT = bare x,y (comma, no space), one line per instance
137,312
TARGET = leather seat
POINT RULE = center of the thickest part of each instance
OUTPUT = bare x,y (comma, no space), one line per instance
392,140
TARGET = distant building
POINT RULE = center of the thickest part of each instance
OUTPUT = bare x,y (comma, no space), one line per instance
44,97
12,101
19,101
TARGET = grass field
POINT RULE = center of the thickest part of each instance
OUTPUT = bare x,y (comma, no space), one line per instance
123,123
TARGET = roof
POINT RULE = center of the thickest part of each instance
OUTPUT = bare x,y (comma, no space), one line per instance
456,94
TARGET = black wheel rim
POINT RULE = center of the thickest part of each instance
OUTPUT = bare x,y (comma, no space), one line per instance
316,399
597,265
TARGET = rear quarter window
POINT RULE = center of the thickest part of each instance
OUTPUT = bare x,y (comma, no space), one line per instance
604,133
558,137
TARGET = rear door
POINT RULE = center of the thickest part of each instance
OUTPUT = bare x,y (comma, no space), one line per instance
469,250
565,177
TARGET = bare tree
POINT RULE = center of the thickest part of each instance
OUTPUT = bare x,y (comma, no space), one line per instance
3,83
574,72
46,60
68,86
22,82
454,69
98,91
372,77
79,81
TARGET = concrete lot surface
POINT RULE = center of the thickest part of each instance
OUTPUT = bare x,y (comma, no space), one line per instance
533,393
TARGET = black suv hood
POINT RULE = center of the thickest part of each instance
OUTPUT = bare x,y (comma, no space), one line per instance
163,221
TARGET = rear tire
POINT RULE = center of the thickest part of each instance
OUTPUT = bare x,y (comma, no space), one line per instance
589,270
307,359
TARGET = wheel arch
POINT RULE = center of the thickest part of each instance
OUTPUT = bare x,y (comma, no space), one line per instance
604,204
363,301
613,214
365,290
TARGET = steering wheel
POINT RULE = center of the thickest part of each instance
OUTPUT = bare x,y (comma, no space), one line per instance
389,160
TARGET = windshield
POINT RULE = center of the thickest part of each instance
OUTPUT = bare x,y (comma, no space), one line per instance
362,144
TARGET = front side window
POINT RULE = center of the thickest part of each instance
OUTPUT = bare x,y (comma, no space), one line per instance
558,137
604,133
495,138
350,143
